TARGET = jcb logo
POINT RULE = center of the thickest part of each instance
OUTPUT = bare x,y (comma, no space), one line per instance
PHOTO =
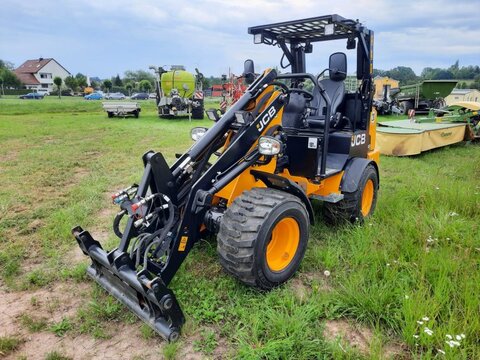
359,139
266,119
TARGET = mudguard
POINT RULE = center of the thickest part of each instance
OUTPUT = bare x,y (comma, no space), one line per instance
280,183
353,172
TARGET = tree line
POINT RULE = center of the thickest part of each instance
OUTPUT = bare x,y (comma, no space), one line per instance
141,80
406,76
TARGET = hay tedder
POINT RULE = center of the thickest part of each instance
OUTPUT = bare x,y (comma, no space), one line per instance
250,178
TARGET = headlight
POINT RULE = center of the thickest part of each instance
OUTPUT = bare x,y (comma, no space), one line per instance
197,132
268,145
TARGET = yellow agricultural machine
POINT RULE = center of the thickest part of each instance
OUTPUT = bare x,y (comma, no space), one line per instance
250,178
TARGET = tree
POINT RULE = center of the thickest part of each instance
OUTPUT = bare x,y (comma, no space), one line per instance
71,82
138,75
145,85
129,86
81,80
117,81
6,65
9,79
58,82
107,85
403,74
378,72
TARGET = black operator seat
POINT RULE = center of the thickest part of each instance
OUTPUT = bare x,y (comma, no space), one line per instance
294,112
335,88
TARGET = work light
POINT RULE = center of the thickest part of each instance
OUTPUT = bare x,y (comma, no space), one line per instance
212,114
329,29
197,132
258,38
268,145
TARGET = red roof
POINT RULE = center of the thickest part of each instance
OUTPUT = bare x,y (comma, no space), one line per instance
27,79
32,66
25,71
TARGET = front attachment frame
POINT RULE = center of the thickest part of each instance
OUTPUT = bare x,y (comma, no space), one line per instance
147,298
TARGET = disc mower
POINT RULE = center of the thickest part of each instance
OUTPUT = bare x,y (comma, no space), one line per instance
250,178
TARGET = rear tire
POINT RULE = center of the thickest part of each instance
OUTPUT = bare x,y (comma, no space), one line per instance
358,205
263,237
110,114
405,106
197,112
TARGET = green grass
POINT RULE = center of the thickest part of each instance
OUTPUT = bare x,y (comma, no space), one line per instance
9,344
33,324
56,356
417,257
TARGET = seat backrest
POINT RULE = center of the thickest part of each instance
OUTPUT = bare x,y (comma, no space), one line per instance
293,112
334,86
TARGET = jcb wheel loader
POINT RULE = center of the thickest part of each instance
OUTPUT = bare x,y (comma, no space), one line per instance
250,178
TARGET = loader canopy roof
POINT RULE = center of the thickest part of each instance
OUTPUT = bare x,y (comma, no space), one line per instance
320,28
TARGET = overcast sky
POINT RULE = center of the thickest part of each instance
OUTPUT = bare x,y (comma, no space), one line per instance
106,37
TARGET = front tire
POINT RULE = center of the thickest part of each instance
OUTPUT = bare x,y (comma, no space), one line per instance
263,237
358,205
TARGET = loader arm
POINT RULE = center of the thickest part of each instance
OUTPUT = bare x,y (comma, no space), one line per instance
167,208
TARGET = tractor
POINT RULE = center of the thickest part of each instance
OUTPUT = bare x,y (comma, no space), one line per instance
250,179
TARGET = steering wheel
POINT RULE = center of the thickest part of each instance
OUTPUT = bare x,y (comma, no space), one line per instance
307,94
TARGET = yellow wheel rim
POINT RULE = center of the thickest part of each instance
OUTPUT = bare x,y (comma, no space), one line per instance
283,244
367,197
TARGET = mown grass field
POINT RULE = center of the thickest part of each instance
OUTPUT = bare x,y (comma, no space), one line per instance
412,268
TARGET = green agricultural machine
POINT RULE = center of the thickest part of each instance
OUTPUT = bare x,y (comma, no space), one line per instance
467,112
179,92
423,96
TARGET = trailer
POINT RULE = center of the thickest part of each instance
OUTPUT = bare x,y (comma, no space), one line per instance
122,109
424,96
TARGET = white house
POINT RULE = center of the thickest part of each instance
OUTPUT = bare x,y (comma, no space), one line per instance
39,73
463,95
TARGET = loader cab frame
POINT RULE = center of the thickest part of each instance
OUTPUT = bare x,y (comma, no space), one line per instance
338,120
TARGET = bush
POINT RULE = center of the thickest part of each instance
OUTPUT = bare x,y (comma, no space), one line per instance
17,91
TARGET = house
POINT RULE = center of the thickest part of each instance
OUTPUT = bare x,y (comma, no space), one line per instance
382,84
39,73
463,95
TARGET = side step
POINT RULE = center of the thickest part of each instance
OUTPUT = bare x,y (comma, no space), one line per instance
149,299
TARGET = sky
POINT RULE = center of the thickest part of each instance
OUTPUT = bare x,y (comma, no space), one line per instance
106,37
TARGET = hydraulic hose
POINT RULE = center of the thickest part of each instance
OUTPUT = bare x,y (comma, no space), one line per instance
116,223
163,232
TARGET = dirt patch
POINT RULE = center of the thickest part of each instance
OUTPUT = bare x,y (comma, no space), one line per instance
187,352
187,349
354,336
360,338
9,156
300,290
126,344
316,280
52,302
35,225
222,350
62,301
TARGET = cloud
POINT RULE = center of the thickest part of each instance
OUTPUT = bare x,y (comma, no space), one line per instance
110,36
